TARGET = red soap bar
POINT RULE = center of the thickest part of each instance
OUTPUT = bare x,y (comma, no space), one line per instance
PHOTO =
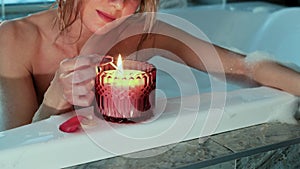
72,124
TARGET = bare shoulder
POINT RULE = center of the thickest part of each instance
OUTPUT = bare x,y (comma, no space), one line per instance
20,32
27,31
29,43
18,41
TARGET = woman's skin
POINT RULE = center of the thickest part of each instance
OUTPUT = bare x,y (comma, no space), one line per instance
37,63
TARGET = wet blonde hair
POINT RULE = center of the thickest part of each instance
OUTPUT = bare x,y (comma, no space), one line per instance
69,10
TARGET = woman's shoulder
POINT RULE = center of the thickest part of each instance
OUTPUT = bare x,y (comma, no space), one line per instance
25,33
27,29
21,32
19,29
19,41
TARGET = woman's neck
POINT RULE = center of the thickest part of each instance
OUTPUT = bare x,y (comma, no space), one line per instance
76,36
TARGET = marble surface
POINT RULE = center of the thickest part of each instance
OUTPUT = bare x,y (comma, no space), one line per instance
268,145
286,157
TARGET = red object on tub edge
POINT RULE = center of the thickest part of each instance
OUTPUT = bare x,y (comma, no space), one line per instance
72,124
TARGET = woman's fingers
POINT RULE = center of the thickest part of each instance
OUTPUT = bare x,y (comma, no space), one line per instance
77,78
80,94
80,62
80,100
80,89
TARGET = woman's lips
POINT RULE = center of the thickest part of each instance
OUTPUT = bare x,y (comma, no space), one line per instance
106,17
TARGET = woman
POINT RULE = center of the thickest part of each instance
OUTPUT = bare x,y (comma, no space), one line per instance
38,54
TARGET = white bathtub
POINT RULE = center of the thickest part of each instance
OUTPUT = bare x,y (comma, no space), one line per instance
249,27
271,28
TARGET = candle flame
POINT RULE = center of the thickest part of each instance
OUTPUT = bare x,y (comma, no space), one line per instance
120,63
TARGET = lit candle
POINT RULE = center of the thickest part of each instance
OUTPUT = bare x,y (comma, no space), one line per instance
125,93
123,78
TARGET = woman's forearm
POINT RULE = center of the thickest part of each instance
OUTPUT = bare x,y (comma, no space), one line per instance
18,102
272,74
260,69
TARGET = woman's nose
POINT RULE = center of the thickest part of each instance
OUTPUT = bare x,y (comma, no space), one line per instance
118,4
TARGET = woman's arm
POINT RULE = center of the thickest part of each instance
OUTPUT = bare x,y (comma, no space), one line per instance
20,43
204,56
198,54
17,93
275,75
72,84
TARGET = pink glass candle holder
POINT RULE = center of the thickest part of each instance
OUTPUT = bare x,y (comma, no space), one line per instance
126,96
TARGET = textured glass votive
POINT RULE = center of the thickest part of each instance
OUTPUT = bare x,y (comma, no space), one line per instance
126,96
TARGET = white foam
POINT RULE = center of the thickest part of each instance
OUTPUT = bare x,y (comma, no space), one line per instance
259,56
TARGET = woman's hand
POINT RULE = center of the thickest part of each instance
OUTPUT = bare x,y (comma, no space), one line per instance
72,84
